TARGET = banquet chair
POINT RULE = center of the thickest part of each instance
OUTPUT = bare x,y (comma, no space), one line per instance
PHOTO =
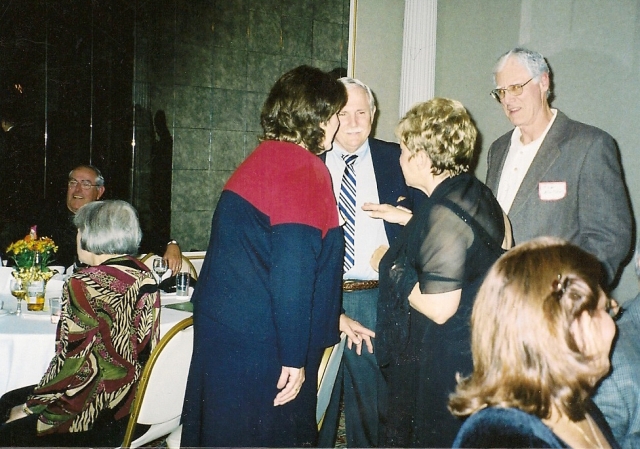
327,373
148,258
196,258
160,394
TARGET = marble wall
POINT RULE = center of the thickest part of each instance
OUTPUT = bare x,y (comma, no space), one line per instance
208,65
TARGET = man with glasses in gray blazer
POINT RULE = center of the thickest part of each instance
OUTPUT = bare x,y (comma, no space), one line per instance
553,175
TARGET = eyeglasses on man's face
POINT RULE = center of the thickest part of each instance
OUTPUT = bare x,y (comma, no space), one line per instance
514,89
84,185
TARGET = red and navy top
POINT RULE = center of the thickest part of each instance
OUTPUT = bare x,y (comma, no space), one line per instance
273,269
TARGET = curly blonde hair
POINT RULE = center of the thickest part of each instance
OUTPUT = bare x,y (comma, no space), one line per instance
443,128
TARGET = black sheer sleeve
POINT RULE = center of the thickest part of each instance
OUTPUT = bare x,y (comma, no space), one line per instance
443,242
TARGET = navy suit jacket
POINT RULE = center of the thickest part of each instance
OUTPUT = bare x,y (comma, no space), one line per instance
392,188
391,184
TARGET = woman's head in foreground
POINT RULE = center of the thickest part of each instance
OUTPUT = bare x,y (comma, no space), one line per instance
301,108
108,227
541,334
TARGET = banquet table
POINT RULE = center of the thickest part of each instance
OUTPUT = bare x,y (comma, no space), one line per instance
27,342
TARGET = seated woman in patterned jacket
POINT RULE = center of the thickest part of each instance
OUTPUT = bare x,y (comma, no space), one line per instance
109,325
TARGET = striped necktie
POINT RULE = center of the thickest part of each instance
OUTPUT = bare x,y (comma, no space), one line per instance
347,205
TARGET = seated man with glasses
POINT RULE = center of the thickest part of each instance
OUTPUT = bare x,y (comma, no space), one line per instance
85,184
552,175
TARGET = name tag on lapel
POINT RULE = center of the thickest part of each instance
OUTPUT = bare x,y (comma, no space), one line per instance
552,191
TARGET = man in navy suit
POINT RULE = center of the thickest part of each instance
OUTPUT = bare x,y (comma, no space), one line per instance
379,180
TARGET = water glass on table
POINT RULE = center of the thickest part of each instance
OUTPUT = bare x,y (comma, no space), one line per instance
55,308
182,284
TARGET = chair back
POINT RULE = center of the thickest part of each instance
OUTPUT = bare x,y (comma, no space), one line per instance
327,373
162,385
187,266
196,258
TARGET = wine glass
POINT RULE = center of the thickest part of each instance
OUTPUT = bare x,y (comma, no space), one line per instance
160,267
19,291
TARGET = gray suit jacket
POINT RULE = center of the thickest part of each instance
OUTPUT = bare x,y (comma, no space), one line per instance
619,394
593,214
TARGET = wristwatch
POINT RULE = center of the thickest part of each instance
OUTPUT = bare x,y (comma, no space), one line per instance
172,242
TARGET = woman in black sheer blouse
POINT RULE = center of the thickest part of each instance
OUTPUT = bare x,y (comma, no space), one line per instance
431,273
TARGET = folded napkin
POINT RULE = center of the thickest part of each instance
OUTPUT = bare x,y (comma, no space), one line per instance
58,269
183,306
54,287
5,280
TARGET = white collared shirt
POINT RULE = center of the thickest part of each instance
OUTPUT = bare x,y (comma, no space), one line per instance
517,164
370,233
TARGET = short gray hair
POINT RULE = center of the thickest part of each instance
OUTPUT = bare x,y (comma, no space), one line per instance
108,227
348,82
99,181
533,61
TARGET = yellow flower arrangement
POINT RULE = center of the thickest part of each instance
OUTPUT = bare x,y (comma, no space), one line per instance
32,256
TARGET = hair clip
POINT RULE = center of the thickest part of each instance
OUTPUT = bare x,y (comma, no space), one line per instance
559,287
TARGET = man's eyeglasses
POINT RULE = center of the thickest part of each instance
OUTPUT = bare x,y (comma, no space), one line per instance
514,89
84,185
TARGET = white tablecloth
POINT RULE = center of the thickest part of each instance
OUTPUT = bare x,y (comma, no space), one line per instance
27,342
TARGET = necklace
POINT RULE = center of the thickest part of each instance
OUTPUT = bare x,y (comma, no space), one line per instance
593,432
566,423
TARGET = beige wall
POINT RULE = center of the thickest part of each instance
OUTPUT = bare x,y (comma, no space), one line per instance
593,48
378,57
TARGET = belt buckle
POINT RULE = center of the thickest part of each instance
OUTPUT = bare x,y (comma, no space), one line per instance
348,286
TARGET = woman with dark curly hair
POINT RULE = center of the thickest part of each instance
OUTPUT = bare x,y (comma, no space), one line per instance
541,338
267,300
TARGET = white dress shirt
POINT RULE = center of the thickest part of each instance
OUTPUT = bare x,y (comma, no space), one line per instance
517,164
369,232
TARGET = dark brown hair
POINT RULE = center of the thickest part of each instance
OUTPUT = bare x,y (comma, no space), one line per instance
298,103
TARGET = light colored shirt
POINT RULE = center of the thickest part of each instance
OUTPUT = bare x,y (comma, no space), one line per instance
517,164
370,232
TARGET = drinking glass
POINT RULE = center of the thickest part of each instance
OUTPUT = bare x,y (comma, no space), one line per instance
54,306
35,296
182,284
160,267
19,291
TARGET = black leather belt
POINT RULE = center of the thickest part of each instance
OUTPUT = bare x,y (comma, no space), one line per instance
352,286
